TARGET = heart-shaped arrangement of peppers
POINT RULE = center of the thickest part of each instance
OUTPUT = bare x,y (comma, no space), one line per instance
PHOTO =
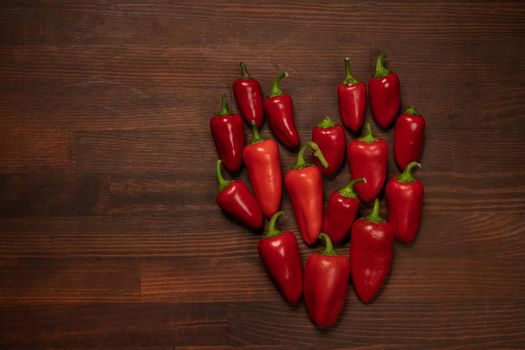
325,278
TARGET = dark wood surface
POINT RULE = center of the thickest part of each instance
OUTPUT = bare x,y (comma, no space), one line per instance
109,234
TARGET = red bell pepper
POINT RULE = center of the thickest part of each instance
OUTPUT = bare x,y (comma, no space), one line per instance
326,284
404,202
331,139
368,158
248,94
341,211
371,254
385,94
235,198
351,96
304,184
262,159
279,109
228,133
409,136
280,254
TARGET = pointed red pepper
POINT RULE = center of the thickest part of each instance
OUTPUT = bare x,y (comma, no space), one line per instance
262,159
341,211
235,198
228,133
385,94
404,202
280,254
371,254
279,109
326,278
248,94
351,96
331,139
409,136
304,184
368,158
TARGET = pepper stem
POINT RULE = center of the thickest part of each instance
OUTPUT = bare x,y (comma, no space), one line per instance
272,231
411,110
326,123
328,246
349,78
369,138
256,136
244,71
406,175
348,190
225,109
222,183
276,89
301,163
374,215
381,70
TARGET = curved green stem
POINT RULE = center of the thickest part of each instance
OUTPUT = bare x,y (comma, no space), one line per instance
328,246
301,163
381,70
272,231
349,78
411,110
368,137
256,136
222,183
374,215
327,123
348,190
406,175
276,89
225,109
244,71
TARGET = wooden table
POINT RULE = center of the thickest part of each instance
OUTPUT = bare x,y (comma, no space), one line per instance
110,237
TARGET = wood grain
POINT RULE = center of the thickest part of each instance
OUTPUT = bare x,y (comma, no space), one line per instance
110,237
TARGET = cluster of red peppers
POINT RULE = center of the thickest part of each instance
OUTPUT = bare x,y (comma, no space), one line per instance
324,280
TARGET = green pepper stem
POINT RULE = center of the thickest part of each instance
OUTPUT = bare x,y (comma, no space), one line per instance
222,183
244,71
374,215
301,163
272,231
349,78
256,136
327,123
276,89
381,70
225,109
328,246
411,110
368,137
348,190
406,175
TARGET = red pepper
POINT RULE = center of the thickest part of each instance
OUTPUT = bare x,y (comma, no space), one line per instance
404,203
228,133
235,198
326,284
371,253
264,169
341,211
385,95
248,94
279,109
331,139
280,254
368,158
351,95
304,184
409,136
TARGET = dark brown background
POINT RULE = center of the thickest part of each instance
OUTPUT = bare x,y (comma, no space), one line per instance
110,236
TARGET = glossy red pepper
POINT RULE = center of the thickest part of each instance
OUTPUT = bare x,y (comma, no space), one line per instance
304,184
341,211
409,136
262,159
385,94
235,198
404,202
368,158
331,139
351,96
371,254
280,254
228,133
279,110
326,278
248,94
